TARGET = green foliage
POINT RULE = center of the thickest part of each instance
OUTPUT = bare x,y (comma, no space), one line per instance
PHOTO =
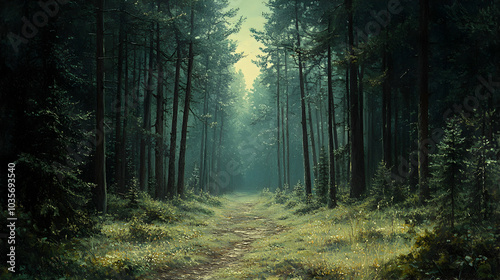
485,170
445,254
383,191
321,183
449,169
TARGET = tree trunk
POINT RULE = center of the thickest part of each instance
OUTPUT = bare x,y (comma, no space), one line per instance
347,128
123,143
278,117
284,147
213,170
185,117
358,183
159,126
386,109
313,140
100,191
423,108
305,141
287,127
146,125
118,104
332,202
173,133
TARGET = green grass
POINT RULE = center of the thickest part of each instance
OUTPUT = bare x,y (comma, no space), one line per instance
139,238
340,243
136,240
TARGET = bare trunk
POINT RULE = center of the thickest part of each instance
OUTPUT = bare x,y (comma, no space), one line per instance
278,117
423,109
305,141
185,117
145,164
100,194
159,126
358,184
171,190
332,202
386,109
118,105
287,129
123,143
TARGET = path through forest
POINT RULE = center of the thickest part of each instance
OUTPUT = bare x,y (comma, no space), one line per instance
241,219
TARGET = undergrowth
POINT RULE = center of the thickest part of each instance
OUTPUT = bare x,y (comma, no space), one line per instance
348,242
138,236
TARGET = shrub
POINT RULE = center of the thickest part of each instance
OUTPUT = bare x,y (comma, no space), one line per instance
447,255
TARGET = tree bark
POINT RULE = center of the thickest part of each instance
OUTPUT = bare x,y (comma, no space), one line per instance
332,202
123,143
278,117
100,190
146,125
118,105
185,117
159,126
305,141
287,124
386,109
423,108
173,133
358,183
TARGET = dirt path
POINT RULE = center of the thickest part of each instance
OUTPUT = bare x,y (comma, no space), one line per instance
240,220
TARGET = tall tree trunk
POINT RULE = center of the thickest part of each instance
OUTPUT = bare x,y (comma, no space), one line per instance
358,183
386,109
287,127
123,143
171,190
284,146
204,133
219,146
319,132
118,106
278,117
185,117
305,141
204,146
213,169
159,126
146,125
313,140
100,192
347,127
423,108
332,202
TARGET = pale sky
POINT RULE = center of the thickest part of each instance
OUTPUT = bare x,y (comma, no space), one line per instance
252,11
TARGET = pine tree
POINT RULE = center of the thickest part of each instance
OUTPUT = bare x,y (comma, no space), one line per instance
449,169
322,182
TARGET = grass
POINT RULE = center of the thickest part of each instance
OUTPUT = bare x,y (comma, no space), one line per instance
136,240
140,237
340,243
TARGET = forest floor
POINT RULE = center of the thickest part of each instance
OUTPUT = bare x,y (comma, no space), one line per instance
241,219
257,238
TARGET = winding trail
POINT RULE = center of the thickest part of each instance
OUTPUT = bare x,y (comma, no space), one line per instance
240,219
